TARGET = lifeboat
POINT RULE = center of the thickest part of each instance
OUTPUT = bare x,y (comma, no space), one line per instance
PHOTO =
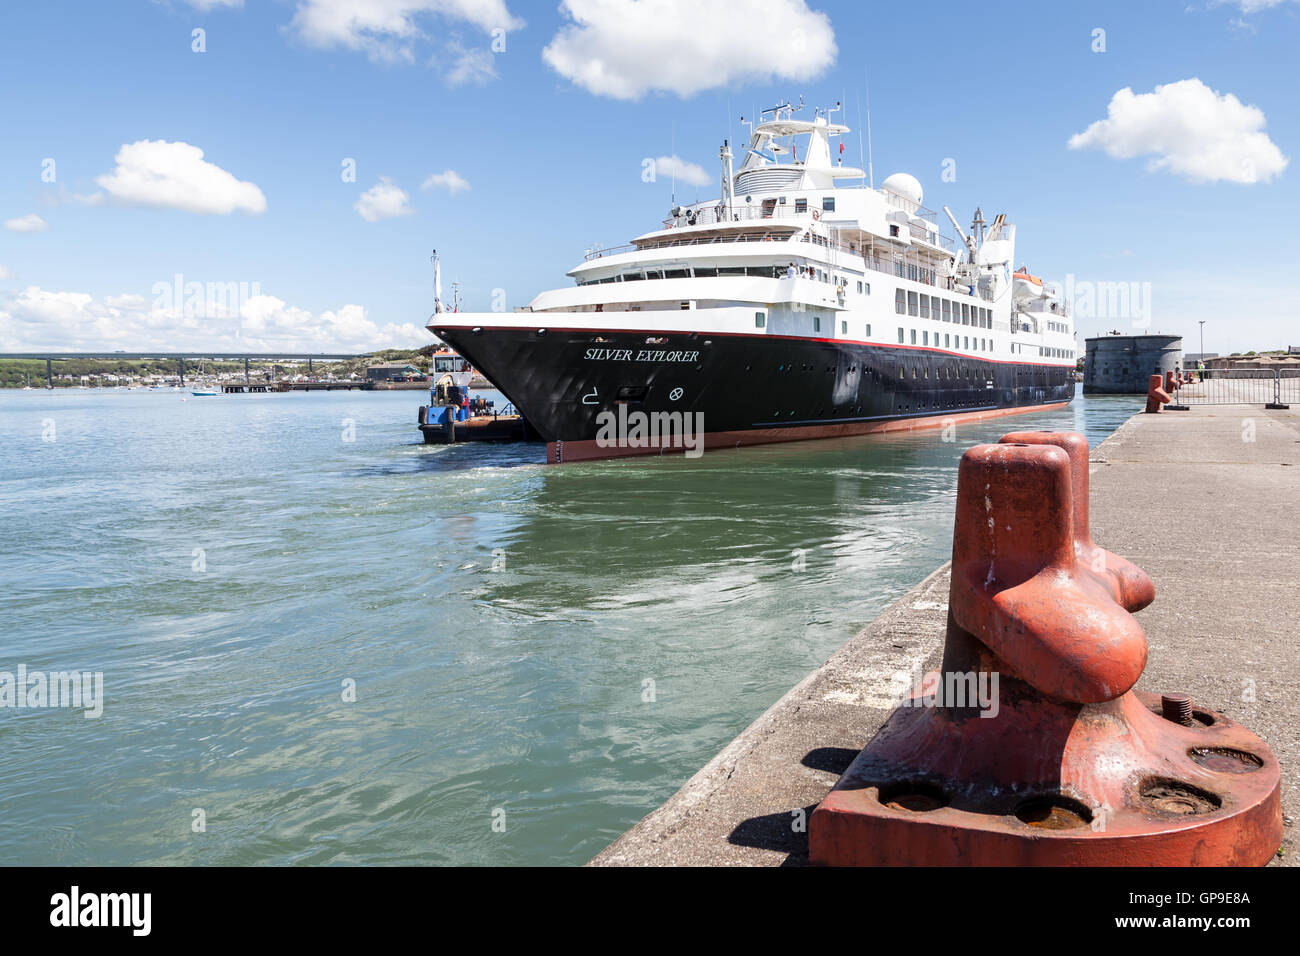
1026,287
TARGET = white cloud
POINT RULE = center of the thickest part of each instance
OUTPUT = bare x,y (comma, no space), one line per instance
35,319
28,223
449,180
627,48
175,176
7,273
384,200
386,30
667,166
1189,130
1250,6
476,65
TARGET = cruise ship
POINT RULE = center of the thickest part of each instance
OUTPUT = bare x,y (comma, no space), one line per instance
802,302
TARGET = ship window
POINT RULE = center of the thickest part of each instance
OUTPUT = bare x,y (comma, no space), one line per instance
760,319
859,288
912,306
701,271
965,314
925,338
866,288
868,330
677,274
731,270
781,201
828,204
914,338
817,323
632,276
945,340
900,302
900,336
844,328
925,306
654,273
967,345
800,205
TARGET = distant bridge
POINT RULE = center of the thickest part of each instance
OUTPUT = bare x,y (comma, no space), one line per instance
193,356
180,357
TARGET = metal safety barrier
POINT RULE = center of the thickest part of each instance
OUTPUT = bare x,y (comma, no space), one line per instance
1270,387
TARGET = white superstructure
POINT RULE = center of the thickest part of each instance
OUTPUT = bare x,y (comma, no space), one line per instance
797,244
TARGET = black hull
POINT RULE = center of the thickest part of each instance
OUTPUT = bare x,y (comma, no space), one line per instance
749,388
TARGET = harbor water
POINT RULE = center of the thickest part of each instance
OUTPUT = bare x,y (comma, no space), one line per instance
324,642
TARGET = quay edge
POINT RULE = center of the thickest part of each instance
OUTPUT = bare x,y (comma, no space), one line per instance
1183,497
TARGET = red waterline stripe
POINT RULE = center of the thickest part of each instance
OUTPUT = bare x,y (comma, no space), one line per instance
587,450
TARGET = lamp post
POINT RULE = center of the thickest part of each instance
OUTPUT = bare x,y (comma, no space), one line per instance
1202,340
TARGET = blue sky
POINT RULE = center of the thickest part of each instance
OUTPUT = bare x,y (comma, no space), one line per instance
549,150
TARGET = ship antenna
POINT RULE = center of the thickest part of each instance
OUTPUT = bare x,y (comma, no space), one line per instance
860,156
871,174
672,139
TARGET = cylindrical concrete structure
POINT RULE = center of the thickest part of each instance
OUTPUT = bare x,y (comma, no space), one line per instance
1124,364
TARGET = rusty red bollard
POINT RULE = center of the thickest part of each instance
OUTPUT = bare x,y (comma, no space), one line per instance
1171,382
1061,762
1156,394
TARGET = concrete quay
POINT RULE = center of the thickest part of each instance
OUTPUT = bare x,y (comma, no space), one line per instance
1207,502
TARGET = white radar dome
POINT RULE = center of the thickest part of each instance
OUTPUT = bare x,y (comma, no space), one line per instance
904,185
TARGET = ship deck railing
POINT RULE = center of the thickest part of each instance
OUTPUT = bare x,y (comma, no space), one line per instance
894,264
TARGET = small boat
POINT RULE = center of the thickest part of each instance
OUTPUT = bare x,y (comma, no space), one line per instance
203,394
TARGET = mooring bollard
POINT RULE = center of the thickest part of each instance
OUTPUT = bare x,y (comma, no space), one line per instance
1156,394
1030,746
1129,585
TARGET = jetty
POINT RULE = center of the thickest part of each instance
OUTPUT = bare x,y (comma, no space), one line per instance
1204,501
